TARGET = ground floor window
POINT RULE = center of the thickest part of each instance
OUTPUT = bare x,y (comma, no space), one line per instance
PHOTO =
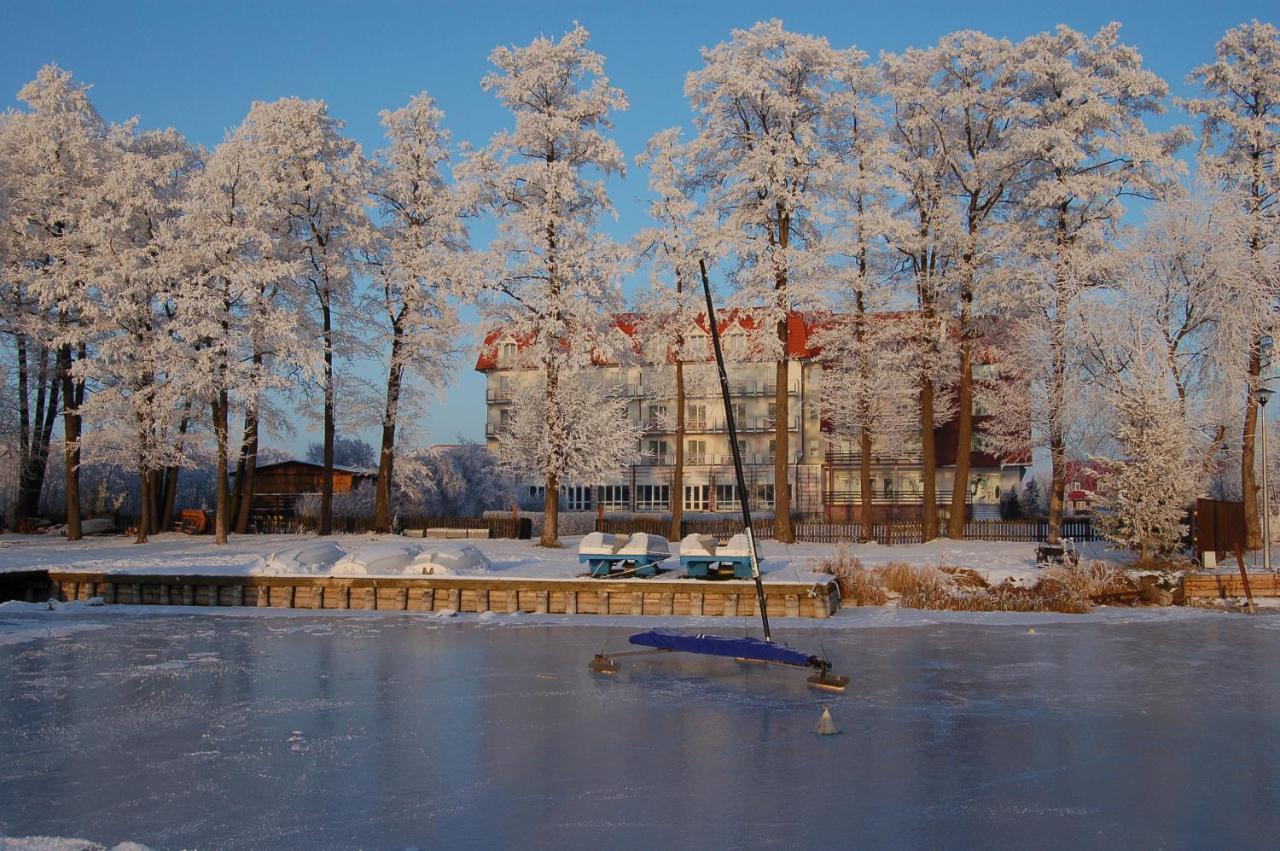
653,497
727,498
578,497
697,497
616,497
764,496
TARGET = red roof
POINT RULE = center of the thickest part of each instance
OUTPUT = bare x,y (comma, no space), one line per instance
799,329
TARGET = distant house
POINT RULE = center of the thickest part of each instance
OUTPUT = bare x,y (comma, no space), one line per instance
1082,486
277,487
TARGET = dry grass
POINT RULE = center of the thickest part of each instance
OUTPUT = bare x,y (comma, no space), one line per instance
858,586
901,578
966,578
1091,580
961,589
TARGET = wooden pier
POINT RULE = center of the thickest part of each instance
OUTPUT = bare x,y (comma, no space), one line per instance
657,597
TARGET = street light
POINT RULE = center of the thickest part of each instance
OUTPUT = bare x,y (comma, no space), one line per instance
1264,394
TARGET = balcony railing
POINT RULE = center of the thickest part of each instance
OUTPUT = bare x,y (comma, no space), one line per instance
740,389
497,395
852,497
491,429
704,459
853,459
746,425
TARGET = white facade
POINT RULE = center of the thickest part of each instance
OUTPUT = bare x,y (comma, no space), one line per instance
823,471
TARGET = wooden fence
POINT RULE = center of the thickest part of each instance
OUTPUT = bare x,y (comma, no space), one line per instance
1026,531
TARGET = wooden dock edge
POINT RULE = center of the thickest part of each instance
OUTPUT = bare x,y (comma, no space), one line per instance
1227,585
656,597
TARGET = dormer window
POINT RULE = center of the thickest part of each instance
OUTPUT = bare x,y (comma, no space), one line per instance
508,352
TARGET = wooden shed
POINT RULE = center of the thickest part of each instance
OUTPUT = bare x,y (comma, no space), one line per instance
276,487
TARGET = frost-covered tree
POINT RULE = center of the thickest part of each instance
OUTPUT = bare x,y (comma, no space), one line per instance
963,93
862,393
420,267
924,235
1175,302
347,452
679,238
461,480
767,106
229,310
596,437
139,363
1143,494
1086,97
551,276
52,157
1240,137
318,179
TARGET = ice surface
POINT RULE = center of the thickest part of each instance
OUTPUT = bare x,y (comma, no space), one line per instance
258,728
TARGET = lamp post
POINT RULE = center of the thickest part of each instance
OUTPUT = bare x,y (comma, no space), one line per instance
1264,394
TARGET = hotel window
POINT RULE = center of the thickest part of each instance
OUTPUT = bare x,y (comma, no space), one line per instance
696,497
697,452
727,498
658,451
578,497
763,496
653,497
616,497
658,414
696,416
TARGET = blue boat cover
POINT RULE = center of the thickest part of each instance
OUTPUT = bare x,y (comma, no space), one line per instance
714,645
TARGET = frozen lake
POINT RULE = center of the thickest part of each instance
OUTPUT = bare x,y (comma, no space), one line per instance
391,731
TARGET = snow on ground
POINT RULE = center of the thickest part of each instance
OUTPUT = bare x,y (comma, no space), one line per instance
61,843
393,555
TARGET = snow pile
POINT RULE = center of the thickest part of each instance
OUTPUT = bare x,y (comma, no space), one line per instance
317,557
62,843
328,558
378,560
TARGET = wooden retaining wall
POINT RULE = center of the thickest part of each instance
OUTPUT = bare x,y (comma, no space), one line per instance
1220,585
463,594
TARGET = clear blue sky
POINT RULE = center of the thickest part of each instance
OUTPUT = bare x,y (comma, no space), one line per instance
197,66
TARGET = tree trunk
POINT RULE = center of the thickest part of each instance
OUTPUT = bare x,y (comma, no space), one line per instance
169,494
386,455
237,488
222,502
677,472
866,508
71,446
145,506
248,470
326,482
1248,453
782,530
1057,487
551,499
928,463
964,437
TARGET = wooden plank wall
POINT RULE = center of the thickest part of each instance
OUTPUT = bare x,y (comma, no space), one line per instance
656,597
1220,585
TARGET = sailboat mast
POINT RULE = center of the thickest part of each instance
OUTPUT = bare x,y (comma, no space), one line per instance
737,455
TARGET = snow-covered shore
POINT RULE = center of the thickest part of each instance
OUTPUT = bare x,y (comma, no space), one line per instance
393,555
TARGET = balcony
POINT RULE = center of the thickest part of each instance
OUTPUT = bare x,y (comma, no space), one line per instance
853,497
491,429
497,395
854,459
747,389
